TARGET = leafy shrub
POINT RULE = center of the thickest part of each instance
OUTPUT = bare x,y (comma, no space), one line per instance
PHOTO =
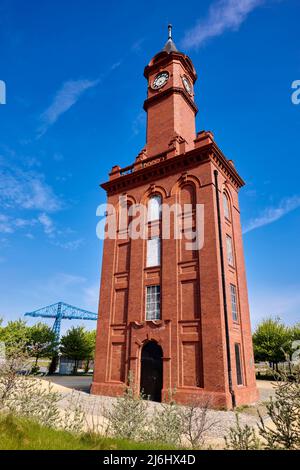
284,411
196,421
241,437
30,398
166,424
127,416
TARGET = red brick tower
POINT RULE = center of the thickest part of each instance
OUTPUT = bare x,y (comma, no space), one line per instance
176,318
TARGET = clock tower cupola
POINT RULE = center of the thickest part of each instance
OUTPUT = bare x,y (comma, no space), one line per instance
170,105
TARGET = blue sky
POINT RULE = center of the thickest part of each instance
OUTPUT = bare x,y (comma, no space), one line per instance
75,90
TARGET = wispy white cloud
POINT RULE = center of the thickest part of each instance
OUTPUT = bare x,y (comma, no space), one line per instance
70,245
26,193
91,295
65,98
66,280
269,301
139,123
5,224
63,178
58,157
137,45
23,189
4,242
116,65
59,286
223,15
271,214
29,235
57,236
37,291
47,224
10,225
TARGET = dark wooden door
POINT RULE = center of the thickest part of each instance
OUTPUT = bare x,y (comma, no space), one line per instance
152,371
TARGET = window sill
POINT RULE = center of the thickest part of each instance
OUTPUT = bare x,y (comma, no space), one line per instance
158,323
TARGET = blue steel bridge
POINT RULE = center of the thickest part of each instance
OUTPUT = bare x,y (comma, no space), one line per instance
62,311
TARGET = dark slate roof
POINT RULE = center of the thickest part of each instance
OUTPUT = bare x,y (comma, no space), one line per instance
170,46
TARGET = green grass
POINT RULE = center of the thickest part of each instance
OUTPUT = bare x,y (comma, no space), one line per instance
21,434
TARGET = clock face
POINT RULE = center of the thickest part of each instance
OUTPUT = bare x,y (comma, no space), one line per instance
160,80
187,85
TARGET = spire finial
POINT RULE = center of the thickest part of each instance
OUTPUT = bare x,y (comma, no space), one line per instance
170,46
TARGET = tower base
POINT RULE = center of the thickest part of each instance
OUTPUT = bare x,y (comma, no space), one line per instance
188,395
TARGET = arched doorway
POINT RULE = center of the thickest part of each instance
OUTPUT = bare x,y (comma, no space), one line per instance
152,371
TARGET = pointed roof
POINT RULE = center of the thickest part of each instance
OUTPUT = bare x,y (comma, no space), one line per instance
166,55
170,45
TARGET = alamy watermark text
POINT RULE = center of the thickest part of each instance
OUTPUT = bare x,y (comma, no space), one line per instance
2,92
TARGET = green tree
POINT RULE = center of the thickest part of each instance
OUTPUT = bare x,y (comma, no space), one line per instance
91,339
76,345
271,340
15,335
295,332
42,341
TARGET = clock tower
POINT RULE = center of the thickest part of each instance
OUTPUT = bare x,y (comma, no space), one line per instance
175,315
170,105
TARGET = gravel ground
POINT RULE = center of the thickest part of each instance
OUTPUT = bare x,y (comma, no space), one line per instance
94,406
83,384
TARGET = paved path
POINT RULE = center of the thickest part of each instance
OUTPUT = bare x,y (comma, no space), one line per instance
266,389
75,382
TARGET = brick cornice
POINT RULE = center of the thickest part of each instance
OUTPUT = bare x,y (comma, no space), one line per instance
162,59
173,165
168,92
228,169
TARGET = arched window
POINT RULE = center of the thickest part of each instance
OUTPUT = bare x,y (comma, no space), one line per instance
187,195
153,252
188,222
153,242
124,215
226,206
154,208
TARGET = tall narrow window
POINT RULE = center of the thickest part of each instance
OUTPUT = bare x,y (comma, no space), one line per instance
239,376
234,307
154,208
226,206
229,247
153,303
153,252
